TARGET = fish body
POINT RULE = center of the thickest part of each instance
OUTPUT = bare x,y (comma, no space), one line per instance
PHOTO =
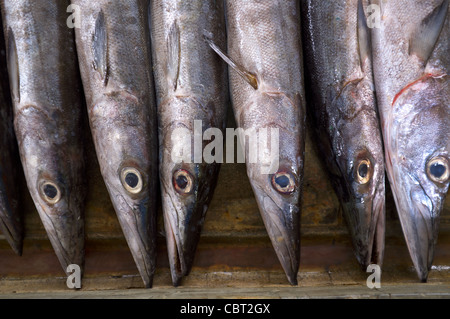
411,65
113,45
267,92
342,103
47,102
10,218
192,97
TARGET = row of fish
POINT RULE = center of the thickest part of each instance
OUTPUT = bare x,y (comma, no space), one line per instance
148,68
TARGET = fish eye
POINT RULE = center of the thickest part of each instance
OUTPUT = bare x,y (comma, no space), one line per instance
438,169
183,181
363,171
131,180
50,192
283,182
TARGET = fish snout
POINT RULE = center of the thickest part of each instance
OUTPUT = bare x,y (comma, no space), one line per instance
281,218
420,227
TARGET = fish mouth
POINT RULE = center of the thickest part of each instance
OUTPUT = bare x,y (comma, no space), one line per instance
282,222
138,226
367,228
183,227
419,219
66,234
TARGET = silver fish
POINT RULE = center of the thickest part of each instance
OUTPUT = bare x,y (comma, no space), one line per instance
47,98
113,45
11,223
411,64
266,81
338,69
191,85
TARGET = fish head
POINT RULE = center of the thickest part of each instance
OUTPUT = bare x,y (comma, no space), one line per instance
127,157
272,136
188,178
53,163
360,172
418,163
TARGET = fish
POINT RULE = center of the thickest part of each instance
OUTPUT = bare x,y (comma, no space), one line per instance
46,95
11,220
192,98
411,64
342,104
113,45
264,54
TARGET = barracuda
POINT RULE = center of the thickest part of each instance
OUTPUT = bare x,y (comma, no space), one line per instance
113,45
338,63
411,64
191,86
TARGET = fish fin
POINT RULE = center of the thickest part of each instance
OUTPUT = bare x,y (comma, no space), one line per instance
424,39
100,48
249,77
364,40
13,67
173,55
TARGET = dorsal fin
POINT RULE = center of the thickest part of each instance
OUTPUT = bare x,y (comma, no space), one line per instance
424,39
246,75
364,40
173,55
100,47
13,67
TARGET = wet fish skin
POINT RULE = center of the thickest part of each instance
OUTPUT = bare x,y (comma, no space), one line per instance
342,103
11,224
113,46
191,85
413,93
264,40
46,94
